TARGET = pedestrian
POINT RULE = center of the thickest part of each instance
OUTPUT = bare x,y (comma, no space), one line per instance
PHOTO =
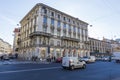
54,58
1,57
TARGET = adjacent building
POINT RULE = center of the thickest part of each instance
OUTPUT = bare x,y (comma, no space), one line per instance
46,31
16,40
100,47
115,45
5,47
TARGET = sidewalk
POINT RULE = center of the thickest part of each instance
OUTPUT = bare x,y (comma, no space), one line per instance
22,62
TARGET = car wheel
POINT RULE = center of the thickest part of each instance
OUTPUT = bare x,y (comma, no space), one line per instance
72,67
84,66
64,67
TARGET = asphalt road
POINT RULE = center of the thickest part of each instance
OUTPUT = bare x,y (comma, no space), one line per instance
94,71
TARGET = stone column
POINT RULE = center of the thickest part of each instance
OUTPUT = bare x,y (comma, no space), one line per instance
40,20
48,24
55,29
46,53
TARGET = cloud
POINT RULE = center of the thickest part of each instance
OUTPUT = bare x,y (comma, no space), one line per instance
9,20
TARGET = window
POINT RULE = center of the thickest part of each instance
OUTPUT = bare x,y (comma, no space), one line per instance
64,33
69,20
58,33
64,25
44,41
52,21
44,10
78,30
44,29
52,31
39,40
44,19
74,28
58,43
58,16
64,18
58,24
52,42
73,22
35,40
69,27
52,14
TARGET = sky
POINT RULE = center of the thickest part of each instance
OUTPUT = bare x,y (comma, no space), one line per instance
103,15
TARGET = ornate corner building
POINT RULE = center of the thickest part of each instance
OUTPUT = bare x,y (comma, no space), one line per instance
46,31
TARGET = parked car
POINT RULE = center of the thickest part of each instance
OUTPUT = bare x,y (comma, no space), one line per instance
88,59
105,58
116,57
6,57
72,63
59,60
99,58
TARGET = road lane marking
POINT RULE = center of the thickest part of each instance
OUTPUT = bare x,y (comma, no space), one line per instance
29,70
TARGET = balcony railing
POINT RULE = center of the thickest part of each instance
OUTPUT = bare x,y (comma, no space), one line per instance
69,31
78,34
51,44
74,33
69,38
58,44
86,42
45,25
18,41
58,28
64,29
38,33
52,26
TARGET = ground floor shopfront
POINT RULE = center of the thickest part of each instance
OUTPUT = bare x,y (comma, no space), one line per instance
44,52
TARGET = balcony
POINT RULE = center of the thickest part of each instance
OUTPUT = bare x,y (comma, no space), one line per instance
58,28
78,34
45,25
74,33
52,26
69,38
64,30
86,42
58,44
69,31
18,41
38,33
52,44
63,46
69,46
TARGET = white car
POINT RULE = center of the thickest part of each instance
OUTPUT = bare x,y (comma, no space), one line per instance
72,62
88,59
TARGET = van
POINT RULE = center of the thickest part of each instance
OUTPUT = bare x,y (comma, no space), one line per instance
72,63
92,58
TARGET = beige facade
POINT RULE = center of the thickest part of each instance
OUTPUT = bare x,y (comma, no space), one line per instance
5,47
100,47
46,31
